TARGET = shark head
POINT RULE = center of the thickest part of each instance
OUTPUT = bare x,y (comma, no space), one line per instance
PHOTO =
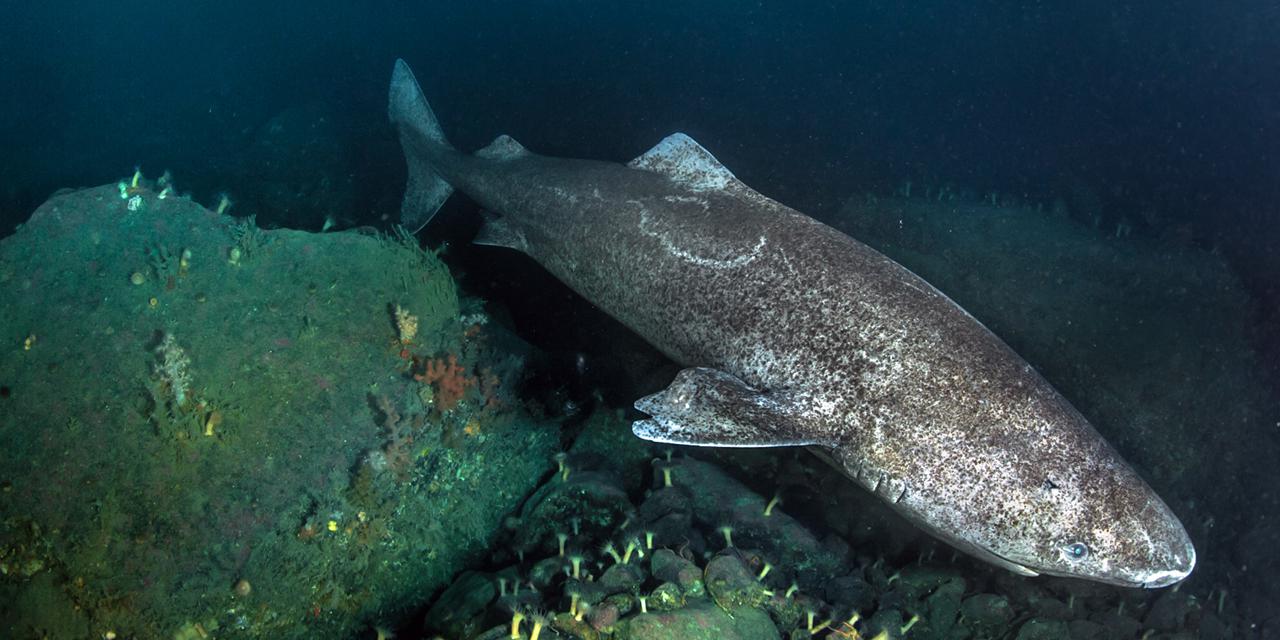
1097,520
1075,508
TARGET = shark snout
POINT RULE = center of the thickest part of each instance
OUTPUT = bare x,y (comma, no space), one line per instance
1183,562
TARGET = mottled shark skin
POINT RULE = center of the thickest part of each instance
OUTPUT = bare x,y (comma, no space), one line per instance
798,335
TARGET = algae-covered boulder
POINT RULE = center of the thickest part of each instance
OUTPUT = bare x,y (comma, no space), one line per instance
730,584
210,427
622,578
587,502
1041,629
986,612
716,500
699,621
667,566
460,605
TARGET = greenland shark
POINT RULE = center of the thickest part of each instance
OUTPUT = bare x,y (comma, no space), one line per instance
794,334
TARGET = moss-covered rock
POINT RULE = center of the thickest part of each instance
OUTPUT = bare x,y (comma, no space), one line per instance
667,566
194,401
667,596
704,621
622,578
458,607
1042,629
589,503
730,584
986,613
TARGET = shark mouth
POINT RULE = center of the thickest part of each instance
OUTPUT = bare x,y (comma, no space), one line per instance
1016,567
1155,580
1164,579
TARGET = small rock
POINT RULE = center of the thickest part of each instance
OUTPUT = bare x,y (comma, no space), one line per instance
663,502
1018,590
1088,630
1167,612
666,566
675,529
666,597
1121,626
464,600
703,621
624,602
790,613
917,581
986,612
546,571
887,620
589,592
838,548
730,584
894,599
589,498
603,617
577,629
1050,608
621,578
851,592
943,605
1041,629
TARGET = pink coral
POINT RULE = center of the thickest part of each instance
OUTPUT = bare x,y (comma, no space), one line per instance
449,378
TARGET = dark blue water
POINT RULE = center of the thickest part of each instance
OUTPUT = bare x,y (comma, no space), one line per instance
1154,105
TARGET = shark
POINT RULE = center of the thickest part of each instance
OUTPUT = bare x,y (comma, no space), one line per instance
793,334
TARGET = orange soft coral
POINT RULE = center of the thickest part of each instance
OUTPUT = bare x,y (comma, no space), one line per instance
449,378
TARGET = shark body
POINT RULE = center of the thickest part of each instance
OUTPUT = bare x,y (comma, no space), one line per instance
795,334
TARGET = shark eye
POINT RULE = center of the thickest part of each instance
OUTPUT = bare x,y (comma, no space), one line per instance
1076,551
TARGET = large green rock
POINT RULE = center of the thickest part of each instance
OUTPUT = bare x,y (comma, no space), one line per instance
277,438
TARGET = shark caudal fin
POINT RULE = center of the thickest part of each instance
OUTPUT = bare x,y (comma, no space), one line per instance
421,138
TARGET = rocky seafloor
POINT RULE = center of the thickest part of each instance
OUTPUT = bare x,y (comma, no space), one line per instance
621,545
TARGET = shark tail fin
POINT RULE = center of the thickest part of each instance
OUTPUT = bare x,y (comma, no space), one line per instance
422,139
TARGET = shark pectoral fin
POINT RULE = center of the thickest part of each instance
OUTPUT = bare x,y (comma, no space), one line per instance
497,232
706,407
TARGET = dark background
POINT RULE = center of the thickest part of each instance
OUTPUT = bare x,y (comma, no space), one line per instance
1163,113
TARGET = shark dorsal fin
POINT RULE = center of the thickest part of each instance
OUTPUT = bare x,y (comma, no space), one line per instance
504,147
685,161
